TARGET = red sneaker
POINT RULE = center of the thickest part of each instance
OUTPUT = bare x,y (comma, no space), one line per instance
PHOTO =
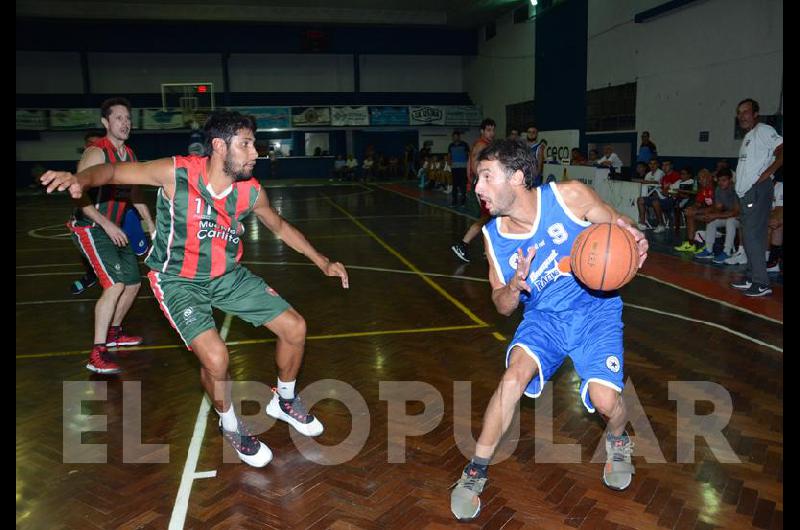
99,363
117,337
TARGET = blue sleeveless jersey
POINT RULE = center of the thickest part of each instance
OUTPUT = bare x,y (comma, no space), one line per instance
535,149
553,287
538,154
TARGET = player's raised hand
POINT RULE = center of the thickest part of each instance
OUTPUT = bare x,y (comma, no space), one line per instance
60,181
334,268
519,282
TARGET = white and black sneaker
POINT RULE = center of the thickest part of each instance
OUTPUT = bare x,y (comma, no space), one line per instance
295,414
248,447
742,284
757,290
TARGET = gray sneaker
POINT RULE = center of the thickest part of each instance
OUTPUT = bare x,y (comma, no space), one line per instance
465,502
618,471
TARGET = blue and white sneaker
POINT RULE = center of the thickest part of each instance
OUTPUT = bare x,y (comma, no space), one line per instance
706,254
720,258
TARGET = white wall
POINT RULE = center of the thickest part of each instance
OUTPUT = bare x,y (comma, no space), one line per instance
131,73
411,73
290,73
503,72
49,72
54,145
692,66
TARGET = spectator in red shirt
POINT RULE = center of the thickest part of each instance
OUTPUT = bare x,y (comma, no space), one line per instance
703,202
670,177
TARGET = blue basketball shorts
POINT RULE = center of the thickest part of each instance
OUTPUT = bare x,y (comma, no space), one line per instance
591,336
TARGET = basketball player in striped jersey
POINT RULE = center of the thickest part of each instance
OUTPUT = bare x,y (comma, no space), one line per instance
461,248
195,266
96,229
528,242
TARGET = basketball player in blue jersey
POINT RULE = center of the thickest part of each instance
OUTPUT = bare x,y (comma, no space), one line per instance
537,150
528,242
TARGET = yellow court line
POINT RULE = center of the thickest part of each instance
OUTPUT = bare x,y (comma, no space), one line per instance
411,266
271,339
428,203
84,352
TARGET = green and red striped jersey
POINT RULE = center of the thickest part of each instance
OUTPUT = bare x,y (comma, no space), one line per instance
112,201
196,230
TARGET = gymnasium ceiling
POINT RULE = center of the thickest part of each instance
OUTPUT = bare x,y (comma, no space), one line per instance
451,13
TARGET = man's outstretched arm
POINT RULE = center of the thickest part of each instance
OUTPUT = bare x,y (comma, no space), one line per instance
295,238
154,173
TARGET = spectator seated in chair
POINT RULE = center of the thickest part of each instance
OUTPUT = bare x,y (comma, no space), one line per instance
654,196
682,191
703,200
723,214
339,167
351,166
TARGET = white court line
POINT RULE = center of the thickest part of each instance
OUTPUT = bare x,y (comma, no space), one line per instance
427,203
375,269
48,249
400,215
395,271
278,200
50,265
721,302
707,323
71,273
178,517
77,300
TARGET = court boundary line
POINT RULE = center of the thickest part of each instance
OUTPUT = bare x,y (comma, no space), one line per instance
707,323
181,507
330,336
721,302
436,287
380,269
717,300
427,203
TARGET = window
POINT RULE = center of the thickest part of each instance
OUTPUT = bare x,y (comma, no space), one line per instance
520,115
612,108
317,144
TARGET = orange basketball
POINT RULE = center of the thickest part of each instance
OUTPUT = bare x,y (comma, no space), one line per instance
604,257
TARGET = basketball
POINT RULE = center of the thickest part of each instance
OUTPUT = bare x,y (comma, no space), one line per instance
604,257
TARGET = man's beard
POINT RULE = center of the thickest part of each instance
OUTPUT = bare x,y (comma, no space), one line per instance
238,176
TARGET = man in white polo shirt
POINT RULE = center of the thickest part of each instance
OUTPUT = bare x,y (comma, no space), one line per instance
610,160
760,156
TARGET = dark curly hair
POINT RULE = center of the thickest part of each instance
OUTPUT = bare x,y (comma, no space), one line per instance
512,156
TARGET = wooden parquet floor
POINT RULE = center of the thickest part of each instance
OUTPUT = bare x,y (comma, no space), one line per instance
391,334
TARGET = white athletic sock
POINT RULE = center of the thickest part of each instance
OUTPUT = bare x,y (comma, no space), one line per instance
286,389
229,422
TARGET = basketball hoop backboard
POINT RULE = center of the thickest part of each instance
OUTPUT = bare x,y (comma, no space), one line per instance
196,100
